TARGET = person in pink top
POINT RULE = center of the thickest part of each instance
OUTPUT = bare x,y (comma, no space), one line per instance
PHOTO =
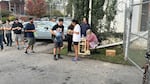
92,40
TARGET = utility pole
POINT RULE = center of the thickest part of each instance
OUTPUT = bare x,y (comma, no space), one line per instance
64,8
125,26
49,7
9,5
73,11
90,12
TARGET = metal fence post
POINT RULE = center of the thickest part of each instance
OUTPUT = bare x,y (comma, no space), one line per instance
148,28
128,33
125,27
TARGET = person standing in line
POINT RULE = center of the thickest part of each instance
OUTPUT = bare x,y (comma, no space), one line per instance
84,27
30,29
76,38
1,35
69,37
8,29
17,28
58,33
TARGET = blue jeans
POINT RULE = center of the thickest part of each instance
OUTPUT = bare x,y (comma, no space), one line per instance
1,42
9,39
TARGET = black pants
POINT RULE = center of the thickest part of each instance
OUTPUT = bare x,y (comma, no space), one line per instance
4,39
1,42
9,39
69,39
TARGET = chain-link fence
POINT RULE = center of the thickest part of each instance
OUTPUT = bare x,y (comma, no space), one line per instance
137,26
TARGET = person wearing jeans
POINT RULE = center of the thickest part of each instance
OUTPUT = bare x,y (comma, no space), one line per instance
8,29
9,39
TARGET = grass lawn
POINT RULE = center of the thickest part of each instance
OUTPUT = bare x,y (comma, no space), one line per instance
137,55
100,55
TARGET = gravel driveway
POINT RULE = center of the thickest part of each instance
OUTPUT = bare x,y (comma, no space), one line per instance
40,68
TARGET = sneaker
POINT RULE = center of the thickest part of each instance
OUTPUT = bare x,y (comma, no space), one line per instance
55,58
18,48
59,57
26,52
74,59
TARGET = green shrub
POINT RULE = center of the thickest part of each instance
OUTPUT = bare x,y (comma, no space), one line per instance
4,19
11,18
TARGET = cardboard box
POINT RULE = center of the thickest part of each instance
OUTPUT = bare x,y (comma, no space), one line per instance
110,52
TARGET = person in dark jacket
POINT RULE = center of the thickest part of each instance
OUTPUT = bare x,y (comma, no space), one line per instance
84,27
17,28
69,37
30,29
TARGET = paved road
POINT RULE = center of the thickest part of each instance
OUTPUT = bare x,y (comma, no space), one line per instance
40,68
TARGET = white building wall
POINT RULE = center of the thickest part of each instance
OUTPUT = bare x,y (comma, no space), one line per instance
136,19
120,16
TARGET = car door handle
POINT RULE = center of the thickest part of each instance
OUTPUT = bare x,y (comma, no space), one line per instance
46,28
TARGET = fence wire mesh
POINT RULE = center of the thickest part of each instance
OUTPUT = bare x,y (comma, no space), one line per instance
139,32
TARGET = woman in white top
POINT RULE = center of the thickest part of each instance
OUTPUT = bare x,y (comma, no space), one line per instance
76,38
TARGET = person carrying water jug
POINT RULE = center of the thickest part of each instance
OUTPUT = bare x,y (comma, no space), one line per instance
58,33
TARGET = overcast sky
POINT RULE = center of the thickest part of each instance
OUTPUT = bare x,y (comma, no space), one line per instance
4,0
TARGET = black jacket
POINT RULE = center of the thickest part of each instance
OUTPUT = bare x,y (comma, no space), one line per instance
17,25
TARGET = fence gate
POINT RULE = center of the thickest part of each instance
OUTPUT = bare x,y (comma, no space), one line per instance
137,28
